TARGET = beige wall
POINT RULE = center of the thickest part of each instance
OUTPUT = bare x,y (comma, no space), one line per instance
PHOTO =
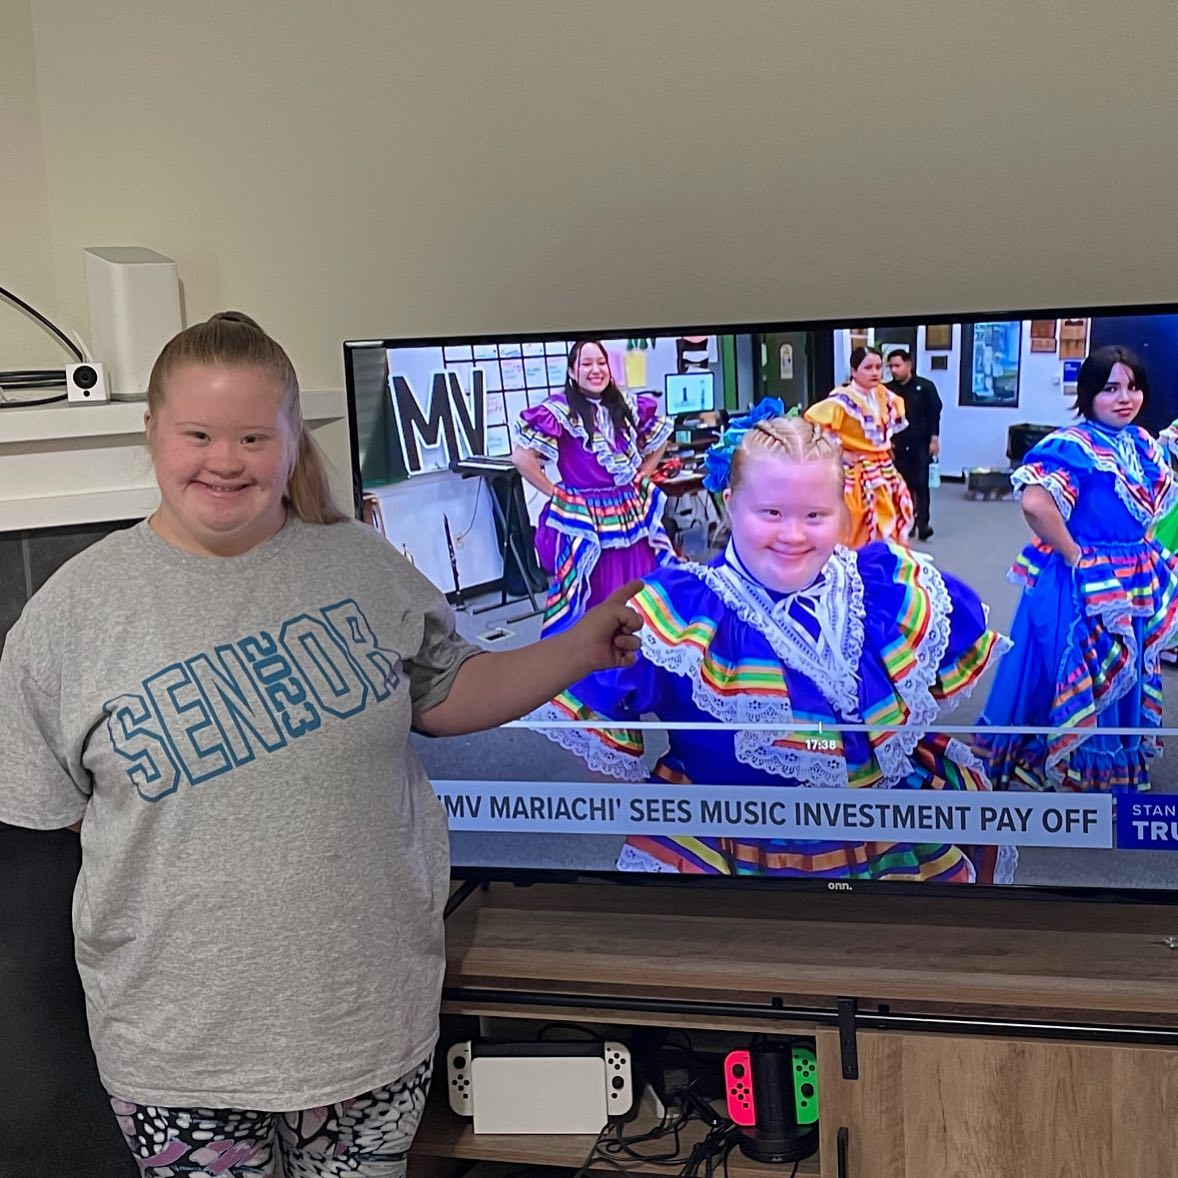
26,260
368,167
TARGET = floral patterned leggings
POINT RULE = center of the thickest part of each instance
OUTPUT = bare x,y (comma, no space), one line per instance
368,1136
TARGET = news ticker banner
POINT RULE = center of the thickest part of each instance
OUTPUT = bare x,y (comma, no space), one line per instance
839,815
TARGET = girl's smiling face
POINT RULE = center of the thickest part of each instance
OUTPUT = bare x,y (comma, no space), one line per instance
223,450
591,370
787,517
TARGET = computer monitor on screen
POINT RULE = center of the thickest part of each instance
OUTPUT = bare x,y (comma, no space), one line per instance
690,392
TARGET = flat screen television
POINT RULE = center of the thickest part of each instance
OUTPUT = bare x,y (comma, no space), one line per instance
432,422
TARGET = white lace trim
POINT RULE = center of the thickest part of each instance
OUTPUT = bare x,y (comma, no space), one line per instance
915,688
839,605
1026,476
842,589
1124,449
1002,645
1006,865
620,466
754,748
531,438
1169,486
809,769
585,744
961,754
875,432
836,602
661,433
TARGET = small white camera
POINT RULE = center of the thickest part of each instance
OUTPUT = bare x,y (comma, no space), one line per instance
86,382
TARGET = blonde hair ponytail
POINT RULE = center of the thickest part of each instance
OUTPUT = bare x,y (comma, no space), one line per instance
792,438
233,339
308,490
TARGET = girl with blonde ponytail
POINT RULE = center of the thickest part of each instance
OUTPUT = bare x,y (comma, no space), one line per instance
231,339
264,862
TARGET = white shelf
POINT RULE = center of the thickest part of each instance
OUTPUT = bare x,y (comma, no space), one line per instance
63,419
66,464
58,511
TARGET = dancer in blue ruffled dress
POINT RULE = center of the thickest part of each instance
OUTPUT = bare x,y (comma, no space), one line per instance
789,626
1100,597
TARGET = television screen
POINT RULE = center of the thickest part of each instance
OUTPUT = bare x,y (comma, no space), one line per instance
910,602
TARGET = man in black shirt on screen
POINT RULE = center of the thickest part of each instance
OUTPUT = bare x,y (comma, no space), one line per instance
916,446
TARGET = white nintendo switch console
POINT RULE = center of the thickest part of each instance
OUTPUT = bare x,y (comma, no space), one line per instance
546,1087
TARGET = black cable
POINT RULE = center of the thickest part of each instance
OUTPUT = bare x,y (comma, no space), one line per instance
65,339
478,494
588,1162
667,1126
588,1032
50,380
708,1155
35,378
26,376
34,401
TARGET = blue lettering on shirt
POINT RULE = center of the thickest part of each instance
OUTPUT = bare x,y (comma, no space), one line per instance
196,739
376,664
136,735
321,658
214,711
236,703
285,692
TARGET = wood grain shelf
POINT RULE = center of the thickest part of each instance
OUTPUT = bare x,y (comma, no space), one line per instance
442,1134
1026,957
1077,1074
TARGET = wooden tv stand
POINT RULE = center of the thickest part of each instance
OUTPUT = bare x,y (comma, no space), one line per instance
956,1037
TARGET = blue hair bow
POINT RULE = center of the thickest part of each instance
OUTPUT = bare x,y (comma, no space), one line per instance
718,458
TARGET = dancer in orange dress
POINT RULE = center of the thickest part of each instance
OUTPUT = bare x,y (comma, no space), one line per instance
866,416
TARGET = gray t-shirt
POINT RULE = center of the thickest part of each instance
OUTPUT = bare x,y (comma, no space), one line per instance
264,863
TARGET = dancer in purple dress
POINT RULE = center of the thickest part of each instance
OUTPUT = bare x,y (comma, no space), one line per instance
603,523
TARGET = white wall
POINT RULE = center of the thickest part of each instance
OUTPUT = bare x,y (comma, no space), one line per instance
382,167
385,167
26,258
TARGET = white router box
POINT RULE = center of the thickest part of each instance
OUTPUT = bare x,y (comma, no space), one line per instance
134,298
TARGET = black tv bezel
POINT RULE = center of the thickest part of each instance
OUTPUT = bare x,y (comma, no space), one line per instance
528,876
